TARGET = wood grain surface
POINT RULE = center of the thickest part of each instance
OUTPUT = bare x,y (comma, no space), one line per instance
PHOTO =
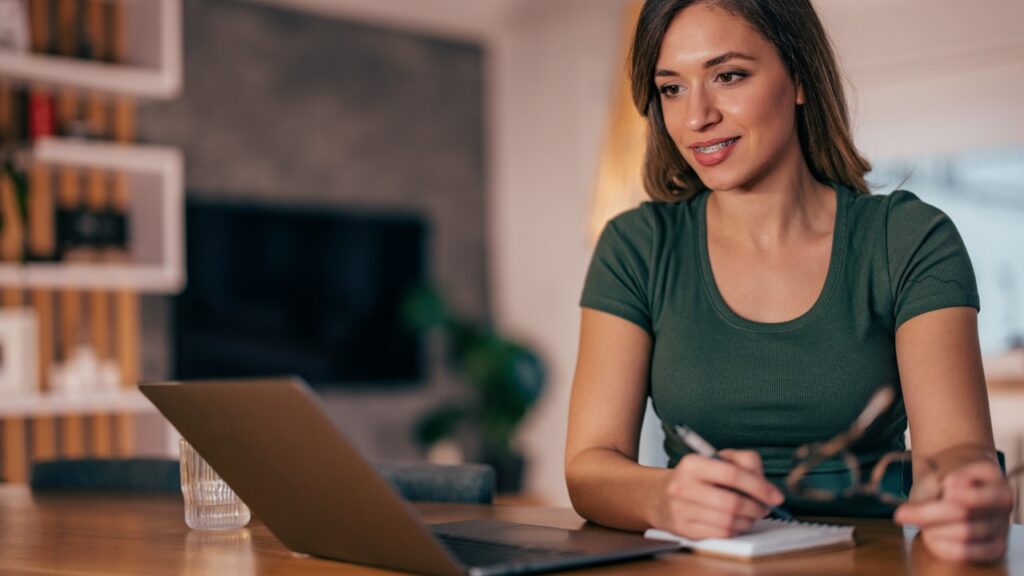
86,534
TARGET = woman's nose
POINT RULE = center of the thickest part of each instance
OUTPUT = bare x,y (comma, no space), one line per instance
701,112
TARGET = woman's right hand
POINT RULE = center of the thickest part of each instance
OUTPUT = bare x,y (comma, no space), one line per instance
709,498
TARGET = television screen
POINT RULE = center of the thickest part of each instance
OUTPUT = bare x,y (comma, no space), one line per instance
298,291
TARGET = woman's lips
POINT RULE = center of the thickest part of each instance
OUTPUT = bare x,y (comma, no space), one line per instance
714,153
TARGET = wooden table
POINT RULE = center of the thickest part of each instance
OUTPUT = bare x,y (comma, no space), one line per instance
85,534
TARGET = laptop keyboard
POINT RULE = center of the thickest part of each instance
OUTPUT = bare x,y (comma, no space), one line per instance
472,552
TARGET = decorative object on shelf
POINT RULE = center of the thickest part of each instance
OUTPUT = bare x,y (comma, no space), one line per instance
19,331
14,32
83,228
504,379
84,372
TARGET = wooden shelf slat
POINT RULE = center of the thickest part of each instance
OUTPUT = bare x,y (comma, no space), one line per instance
34,405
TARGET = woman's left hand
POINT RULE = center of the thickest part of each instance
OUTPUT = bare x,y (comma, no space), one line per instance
970,518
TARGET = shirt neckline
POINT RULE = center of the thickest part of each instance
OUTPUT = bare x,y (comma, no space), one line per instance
834,266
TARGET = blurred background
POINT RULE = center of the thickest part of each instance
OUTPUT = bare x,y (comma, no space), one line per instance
315,160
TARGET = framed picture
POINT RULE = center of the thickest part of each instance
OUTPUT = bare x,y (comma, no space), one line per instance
19,351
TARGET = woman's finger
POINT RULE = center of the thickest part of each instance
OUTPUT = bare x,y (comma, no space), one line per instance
748,459
966,532
726,524
725,501
960,503
697,522
732,476
986,498
931,513
986,551
933,484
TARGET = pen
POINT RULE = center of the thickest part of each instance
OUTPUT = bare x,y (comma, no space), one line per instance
701,446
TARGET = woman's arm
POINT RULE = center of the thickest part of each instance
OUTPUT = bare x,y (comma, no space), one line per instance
605,482
947,406
609,393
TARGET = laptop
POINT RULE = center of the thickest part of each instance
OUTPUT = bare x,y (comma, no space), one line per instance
277,447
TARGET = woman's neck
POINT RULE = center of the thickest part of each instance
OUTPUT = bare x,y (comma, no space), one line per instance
790,206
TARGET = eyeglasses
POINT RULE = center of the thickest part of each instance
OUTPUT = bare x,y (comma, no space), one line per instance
810,456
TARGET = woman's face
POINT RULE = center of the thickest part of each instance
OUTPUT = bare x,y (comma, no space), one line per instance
728,101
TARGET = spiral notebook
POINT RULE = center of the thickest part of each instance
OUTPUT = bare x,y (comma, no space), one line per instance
768,537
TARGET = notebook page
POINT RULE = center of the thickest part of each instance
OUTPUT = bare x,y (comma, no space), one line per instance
768,536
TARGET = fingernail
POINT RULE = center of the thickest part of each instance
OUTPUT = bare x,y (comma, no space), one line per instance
778,498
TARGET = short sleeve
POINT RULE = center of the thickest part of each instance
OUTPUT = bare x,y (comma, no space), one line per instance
929,267
619,273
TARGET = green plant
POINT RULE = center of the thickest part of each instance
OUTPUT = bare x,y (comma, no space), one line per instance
505,378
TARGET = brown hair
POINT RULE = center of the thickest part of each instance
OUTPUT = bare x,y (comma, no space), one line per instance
823,122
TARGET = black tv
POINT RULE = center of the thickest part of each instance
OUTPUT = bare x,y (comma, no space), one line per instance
312,292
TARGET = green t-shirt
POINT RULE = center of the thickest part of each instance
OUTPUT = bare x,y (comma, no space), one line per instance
772,387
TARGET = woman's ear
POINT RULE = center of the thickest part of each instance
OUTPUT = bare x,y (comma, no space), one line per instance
799,94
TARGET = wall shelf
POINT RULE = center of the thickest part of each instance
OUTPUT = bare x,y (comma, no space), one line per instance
156,214
61,72
149,54
115,401
154,66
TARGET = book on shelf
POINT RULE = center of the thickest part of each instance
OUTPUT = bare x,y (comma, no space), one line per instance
67,26
85,29
39,25
40,114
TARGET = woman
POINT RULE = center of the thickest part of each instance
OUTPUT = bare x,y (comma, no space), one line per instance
765,295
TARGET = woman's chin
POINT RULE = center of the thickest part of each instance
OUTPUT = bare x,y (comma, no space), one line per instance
719,181
720,178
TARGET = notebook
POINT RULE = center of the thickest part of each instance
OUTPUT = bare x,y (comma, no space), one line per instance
768,537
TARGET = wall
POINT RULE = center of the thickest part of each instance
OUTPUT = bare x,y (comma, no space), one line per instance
472,20
285,108
931,76
552,69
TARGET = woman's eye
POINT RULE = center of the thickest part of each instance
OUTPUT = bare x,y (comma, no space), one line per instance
669,90
731,77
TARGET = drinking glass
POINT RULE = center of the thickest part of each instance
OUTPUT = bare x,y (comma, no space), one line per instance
210,504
